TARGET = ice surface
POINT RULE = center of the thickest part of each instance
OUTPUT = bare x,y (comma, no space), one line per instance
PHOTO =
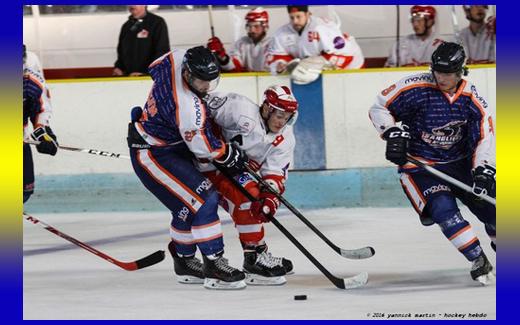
415,270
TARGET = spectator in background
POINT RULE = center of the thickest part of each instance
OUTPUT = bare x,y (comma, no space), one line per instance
416,49
479,37
318,42
143,38
249,52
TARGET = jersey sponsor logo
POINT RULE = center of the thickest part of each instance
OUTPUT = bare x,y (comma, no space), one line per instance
388,90
339,42
188,135
204,186
183,214
478,97
444,137
313,36
423,77
244,179
198,112
217,102
436,188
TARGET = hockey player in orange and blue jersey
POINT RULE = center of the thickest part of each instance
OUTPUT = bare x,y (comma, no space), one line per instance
37,109
446,123
165,139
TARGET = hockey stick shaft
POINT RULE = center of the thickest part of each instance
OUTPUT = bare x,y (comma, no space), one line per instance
84,150
149,260
450,179
360,253
335,280
210,14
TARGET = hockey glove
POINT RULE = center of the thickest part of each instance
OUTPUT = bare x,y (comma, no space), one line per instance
484,180
48,142
265,207
233,161
216,46
396,144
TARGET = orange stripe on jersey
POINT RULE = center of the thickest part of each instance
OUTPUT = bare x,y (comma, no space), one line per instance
37,82
460,232
453,98
463,247
388,102
206,225
175,179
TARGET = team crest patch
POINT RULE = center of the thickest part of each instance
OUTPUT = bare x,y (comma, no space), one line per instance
217,102
245,124
444,137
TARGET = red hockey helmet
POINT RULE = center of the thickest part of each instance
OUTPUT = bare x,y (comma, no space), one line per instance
423,12
258,15
280,98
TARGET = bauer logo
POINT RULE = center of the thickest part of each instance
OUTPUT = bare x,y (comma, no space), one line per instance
339,42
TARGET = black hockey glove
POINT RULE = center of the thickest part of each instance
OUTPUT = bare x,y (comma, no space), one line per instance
48,142
396,144
233,161
484,180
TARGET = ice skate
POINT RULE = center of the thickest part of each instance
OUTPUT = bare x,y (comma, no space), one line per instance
220,275
188,269
481,270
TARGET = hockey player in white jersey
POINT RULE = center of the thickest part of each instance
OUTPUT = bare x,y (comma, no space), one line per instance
38,110
317,42
265,134
249,52
480,36
416,49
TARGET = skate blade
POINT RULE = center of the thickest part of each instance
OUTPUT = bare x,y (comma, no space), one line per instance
486,279
258,280
216,284
189,279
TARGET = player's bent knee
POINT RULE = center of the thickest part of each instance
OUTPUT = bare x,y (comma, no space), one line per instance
441,208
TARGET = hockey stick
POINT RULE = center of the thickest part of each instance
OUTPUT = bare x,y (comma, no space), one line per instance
90,151
360,253
341,283
450,179
455,23
146,261
398,35
210,13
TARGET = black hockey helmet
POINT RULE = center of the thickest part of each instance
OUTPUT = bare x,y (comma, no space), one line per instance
449,57
203,70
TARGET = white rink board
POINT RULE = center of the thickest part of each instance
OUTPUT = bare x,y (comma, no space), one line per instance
415,270
94,114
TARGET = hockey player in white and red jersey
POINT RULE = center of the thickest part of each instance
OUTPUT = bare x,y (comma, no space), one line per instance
317,42
445,123
265,134
38,110
416,49
249,52
165,138
479,37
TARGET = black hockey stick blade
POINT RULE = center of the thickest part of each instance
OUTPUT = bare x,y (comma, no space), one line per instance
149,260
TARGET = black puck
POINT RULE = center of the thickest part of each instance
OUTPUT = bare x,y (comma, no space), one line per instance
300,297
